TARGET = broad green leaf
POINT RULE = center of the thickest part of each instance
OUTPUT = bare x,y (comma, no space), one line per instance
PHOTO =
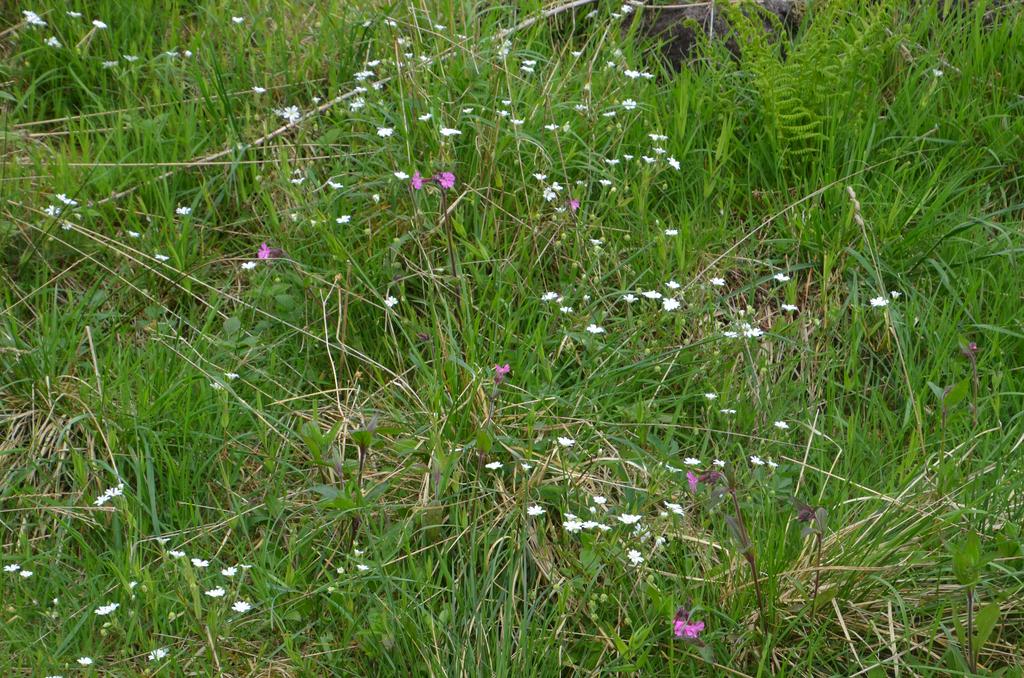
232,326
957,393
985,622
484,442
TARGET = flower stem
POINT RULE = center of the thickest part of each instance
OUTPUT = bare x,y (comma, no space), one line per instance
817,574
748,553
446,220
971,659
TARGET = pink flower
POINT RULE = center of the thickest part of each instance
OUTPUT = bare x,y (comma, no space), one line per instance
692,479
686,629
445,180
268,252
417,181
500,372
574,204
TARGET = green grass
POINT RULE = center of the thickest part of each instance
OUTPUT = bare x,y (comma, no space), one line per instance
115,364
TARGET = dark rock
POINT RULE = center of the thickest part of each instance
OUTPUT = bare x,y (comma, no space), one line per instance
680,26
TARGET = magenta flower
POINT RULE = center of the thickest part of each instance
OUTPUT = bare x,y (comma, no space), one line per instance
417,181
574,204
500,372
683,627
686,629
692,479
268,252
445,180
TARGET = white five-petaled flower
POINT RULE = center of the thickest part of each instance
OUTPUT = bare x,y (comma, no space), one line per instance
629,104
25,574
176,554
215,593
781,425
109,494
450,132
98,24
629,519
390,301
595,329
494,465
670,304
289,113
572,525
566,442
158,654
241,606
535,510
32,19
385,132
104,610
84,661
879,302
756,460
229,571
751,332
183,211
691,461
790,308
634,557
200,563
781,277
